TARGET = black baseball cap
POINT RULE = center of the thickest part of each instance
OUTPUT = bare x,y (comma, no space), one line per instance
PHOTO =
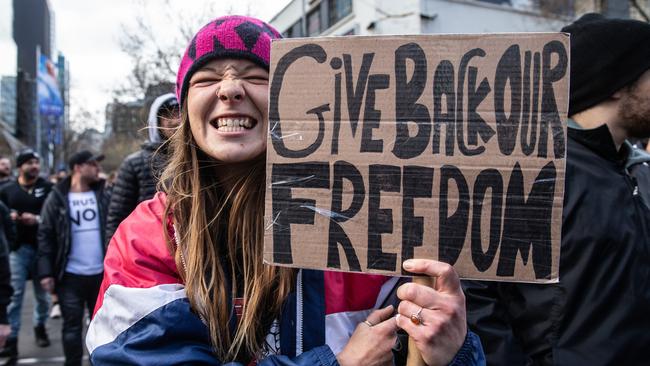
26,155
83,156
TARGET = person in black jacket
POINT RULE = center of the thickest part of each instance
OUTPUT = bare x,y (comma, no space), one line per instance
71,247
598,312
24,197
138,175
7,234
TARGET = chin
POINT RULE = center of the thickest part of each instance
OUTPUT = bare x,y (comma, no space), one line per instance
236,156
238,159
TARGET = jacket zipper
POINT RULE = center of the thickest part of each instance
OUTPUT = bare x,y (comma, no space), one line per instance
631,180
180,252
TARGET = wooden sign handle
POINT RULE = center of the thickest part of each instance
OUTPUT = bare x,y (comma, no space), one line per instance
414,358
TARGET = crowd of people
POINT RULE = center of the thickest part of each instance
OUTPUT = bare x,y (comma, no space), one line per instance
182,281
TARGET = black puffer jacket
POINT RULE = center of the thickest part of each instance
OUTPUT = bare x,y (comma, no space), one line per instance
136,182
54,236
598,313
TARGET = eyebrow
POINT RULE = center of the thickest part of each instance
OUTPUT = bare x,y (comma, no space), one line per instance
215,70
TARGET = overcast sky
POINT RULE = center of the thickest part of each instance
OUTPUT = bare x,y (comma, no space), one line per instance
87,33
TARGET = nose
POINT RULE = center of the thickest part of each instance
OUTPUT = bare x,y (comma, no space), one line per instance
231,91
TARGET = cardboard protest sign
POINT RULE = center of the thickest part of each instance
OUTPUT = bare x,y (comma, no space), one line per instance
448,147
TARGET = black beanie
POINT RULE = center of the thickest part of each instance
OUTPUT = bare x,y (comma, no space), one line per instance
26,155
606,55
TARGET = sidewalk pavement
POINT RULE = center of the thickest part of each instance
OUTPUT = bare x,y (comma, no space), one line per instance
28,352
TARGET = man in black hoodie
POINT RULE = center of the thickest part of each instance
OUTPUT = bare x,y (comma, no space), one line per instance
138,175
24,197
71,247
598,313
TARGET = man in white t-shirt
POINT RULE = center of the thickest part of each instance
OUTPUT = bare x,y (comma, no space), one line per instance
71,247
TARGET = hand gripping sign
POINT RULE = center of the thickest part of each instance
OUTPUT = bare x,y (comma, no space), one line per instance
448,147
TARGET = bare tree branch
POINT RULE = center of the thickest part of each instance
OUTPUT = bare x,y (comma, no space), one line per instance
154,58
639,8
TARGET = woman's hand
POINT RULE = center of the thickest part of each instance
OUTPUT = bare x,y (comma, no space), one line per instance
442,322
372,342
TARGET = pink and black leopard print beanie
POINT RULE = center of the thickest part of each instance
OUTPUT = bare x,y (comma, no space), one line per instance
227,36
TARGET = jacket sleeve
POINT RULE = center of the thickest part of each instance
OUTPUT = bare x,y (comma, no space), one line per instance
492,314
5,287
46,238
143,316
170,334
322,356
124,196
8,224
470,353
3,194
5,275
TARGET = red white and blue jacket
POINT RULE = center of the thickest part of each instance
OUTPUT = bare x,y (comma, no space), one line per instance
143,316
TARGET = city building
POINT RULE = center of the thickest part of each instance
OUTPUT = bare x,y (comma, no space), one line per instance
90,139
32,32
130,119
63,75
9,51
8,102
153,92
125,119
308,18
39,121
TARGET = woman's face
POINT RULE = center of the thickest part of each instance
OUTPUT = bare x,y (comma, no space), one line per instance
227,109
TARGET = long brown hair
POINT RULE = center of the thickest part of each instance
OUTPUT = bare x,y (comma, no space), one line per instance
200,207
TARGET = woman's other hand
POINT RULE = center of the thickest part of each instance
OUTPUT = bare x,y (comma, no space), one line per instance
372,341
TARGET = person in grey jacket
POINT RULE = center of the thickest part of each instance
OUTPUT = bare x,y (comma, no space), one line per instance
138,175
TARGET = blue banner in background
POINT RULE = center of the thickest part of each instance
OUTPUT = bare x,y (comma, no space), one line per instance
50,102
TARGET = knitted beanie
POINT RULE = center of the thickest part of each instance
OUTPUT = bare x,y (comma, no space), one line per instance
26,155
606,55
228,36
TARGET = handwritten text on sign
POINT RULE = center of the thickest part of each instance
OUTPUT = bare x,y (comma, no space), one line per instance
383,149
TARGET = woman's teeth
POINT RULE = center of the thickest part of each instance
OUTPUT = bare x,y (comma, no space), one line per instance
234,124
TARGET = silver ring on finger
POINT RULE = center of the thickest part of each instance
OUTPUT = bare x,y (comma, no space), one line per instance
368,323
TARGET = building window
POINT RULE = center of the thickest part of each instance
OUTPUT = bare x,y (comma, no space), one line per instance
338,9
323,16
557,7
296,29
313,22
507,2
